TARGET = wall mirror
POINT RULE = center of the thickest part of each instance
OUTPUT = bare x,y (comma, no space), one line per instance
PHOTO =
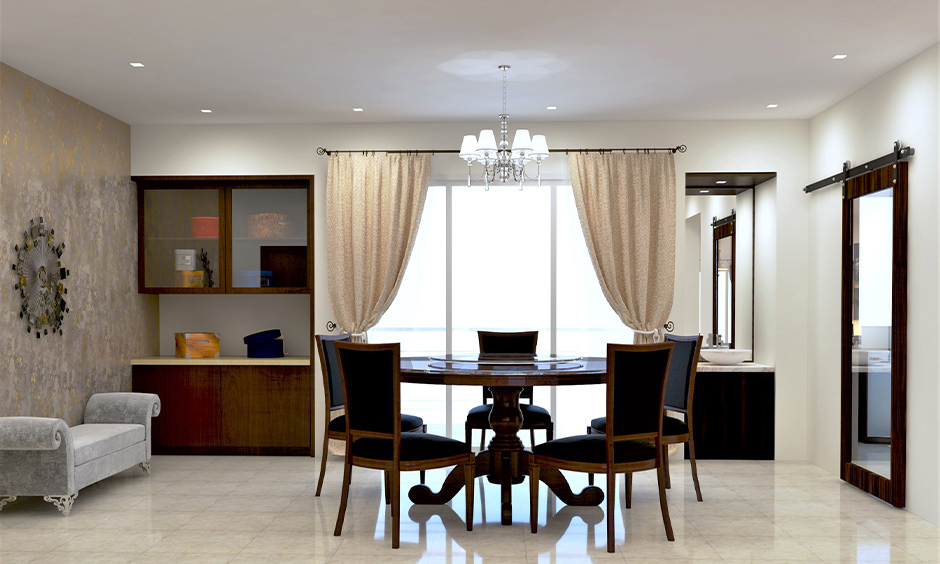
723,287
874,327
718,273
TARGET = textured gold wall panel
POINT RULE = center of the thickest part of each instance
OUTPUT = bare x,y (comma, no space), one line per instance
69,163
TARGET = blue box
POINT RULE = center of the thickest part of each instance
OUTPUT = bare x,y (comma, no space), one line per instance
265,344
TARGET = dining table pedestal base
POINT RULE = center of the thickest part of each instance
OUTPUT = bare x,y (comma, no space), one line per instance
506,462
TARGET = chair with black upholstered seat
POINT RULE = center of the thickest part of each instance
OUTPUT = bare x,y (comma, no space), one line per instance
371,376
636,383
680,390
533,416
333,401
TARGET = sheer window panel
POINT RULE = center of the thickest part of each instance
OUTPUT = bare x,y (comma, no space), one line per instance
417,316
585,321
501,272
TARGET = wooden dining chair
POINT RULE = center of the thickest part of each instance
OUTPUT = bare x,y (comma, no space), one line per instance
371,380
680,390
333,400
636,384
533,416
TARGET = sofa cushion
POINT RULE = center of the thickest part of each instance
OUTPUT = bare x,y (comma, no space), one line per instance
92,441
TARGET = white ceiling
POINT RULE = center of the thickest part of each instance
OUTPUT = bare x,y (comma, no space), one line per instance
293,61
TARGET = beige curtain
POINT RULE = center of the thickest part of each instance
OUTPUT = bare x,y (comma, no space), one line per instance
373,206
627,207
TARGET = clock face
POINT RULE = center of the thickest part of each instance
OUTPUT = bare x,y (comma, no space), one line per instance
39,280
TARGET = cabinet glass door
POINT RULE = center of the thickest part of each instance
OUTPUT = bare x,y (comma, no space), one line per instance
269,238
181,239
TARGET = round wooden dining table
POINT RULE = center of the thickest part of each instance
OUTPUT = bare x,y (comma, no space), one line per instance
505,461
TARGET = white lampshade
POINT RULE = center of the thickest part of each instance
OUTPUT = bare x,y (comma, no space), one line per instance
487,143
539,147
521,143
468,149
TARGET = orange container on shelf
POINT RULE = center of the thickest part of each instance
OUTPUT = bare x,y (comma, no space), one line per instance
197,345
205,227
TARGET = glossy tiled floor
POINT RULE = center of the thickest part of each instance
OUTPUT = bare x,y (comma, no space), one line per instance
259,509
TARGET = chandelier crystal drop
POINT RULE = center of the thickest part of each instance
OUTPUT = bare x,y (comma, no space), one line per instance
500,162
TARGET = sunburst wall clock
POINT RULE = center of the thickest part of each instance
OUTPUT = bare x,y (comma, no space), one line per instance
39,280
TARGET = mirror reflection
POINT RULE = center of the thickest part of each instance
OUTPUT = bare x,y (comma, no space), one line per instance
721,293
871,331
722,333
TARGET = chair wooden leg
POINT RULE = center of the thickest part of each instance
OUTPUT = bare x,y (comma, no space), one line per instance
611,506
482,439
421,476
666,466
698,489
468,470
591,479
533,498
468,433
550,432
347,474
395,478
326,443
662,503
532,438
388,497
628,490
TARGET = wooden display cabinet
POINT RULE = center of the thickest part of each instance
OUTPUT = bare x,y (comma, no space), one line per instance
255,233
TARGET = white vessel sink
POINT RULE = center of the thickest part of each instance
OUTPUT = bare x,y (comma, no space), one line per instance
726,356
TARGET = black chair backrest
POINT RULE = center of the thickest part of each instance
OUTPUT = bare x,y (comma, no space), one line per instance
371,381
330,367
681,370
502,342
636,381
497,342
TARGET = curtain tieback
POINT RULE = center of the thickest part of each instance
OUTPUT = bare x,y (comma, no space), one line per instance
360,337
655,333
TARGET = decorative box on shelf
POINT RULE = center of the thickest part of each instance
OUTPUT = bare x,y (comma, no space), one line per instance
197,345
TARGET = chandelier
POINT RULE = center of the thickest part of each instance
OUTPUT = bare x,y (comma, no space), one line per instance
499,161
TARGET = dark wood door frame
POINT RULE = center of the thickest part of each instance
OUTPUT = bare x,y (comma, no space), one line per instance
720,232
890,490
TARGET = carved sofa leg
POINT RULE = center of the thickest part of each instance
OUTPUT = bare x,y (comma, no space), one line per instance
145,466
5,499
62,502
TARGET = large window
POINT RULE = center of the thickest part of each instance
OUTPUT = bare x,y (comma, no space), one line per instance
505,260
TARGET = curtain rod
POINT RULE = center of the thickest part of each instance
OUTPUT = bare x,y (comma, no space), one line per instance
900,153
678,149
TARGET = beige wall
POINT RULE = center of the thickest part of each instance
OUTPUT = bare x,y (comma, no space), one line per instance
902,104
70,164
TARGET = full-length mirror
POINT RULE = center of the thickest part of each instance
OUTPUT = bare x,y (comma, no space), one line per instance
874,332
719,254
723,286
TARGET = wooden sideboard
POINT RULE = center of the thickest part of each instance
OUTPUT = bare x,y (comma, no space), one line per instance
229,405
733,412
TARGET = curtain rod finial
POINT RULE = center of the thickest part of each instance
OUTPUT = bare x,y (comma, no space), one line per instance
322,151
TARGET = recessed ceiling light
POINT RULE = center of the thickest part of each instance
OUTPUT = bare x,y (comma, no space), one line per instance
839,57
703,191
206,111
552,108
772,105
137,65
357,109
721,182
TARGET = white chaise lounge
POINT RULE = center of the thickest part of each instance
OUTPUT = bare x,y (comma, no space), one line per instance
44,456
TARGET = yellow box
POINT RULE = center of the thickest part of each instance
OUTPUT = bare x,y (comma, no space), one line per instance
193,278
197,345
